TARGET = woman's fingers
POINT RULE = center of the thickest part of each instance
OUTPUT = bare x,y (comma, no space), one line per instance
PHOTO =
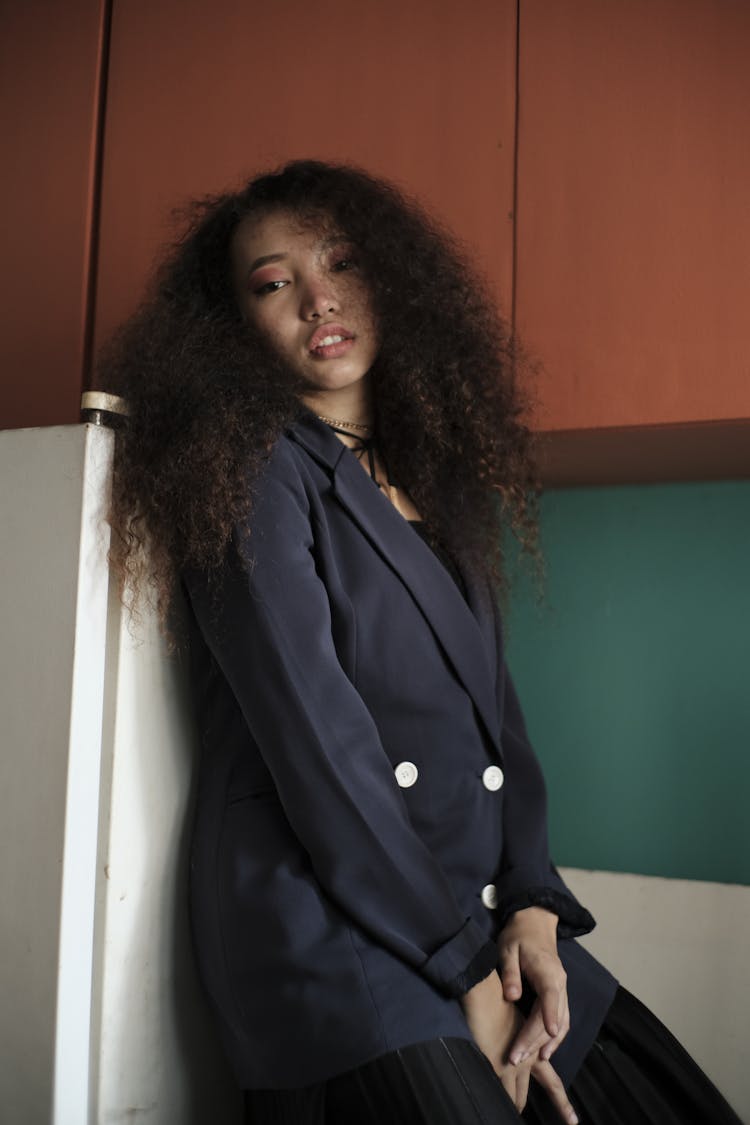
534,1034
516,1084
522,1088
551,1083
553,1001
510,973
548,978
530,1039
549,1048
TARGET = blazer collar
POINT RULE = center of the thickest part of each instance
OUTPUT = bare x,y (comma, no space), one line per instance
317,438
467,633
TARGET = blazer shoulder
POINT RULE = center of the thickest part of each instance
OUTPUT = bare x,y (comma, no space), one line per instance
284,493
293,456
284,469
302,462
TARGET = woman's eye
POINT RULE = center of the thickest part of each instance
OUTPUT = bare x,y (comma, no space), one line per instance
268,287
345,264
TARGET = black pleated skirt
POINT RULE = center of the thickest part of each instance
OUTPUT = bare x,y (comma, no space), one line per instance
635,1074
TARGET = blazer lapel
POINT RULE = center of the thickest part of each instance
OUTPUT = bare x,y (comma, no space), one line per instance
482,603
466,633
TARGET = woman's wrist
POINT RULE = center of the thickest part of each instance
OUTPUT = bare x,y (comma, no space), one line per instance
537,918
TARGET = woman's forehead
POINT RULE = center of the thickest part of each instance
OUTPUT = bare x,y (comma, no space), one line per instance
289,230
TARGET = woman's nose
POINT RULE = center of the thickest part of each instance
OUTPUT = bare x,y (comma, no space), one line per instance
318,298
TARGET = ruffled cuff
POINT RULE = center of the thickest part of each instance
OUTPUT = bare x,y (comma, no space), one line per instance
461,962
573,919
541,885
478,968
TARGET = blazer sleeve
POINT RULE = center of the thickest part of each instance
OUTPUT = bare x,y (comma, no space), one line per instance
267,622
527,876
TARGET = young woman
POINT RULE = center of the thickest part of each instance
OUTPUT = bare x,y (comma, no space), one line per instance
325,443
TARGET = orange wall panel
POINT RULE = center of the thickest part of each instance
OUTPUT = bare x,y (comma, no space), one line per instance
204,93
633,239
50,56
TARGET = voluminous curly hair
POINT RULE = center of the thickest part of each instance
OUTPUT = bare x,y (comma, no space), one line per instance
208,398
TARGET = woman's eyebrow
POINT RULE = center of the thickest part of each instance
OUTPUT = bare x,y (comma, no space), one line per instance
334,240
265,259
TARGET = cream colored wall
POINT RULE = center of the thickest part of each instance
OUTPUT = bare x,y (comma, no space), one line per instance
682,948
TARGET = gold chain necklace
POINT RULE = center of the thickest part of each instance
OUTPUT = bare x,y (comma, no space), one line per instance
340,422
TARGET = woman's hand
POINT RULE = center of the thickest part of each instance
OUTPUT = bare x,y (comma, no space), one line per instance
528,946
494,1022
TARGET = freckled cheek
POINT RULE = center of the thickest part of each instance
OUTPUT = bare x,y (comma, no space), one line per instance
267,325
285,343
359,305
359,298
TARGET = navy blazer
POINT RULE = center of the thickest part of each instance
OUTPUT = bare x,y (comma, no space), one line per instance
369,807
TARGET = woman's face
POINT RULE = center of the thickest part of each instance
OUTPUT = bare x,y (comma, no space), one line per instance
302,286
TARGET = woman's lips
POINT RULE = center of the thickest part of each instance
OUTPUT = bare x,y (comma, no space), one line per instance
330,341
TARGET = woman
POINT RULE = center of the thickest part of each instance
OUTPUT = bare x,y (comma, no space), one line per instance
324,443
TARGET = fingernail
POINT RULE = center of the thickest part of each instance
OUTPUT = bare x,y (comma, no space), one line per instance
515,1058
553,1029
573,1119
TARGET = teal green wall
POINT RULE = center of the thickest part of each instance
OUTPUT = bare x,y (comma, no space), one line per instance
635,677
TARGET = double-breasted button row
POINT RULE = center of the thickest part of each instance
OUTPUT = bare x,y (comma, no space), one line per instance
407,773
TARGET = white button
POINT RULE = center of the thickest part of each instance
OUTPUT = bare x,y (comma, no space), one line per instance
406,774
489,896
492,778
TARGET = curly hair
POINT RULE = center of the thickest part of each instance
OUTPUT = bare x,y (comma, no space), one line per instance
208,398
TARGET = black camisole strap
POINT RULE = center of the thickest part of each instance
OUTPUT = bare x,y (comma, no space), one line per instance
366,445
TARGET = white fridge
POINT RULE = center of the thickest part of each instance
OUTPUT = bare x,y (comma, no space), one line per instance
101,1016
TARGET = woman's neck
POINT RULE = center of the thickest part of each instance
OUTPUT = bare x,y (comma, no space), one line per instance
345,404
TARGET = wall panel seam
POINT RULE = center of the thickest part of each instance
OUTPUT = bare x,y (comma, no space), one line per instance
96,165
